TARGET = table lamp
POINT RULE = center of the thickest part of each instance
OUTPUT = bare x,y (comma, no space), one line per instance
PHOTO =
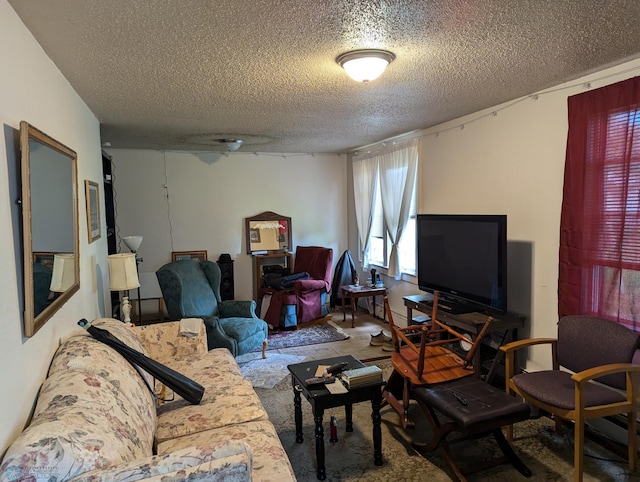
64,272
133,243
123,276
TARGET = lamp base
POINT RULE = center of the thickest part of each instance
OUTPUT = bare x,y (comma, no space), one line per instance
126,309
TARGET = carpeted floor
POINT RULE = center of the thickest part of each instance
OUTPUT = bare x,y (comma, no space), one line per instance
548,455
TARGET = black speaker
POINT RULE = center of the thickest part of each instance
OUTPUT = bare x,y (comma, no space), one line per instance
226,282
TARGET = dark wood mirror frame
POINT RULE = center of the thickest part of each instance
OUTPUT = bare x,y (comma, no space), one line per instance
282,243
52,199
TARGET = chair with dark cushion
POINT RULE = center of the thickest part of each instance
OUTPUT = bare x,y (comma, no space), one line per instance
191,289
592,376
303,295
41,287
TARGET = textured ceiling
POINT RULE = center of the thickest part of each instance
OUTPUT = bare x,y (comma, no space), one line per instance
166,74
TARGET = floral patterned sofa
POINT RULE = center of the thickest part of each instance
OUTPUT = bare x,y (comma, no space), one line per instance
96,419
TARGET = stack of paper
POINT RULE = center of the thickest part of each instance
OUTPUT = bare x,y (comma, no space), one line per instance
359,377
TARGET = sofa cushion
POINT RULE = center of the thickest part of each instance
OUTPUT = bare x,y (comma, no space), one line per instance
228,460
81,422
270,462
162,341
84,353
228,398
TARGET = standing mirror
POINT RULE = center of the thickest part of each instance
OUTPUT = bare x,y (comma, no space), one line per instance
49,226
268,231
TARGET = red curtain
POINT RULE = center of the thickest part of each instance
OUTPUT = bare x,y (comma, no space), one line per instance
599,272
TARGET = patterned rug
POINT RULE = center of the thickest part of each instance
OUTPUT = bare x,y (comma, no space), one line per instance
549,455
268,372
306,335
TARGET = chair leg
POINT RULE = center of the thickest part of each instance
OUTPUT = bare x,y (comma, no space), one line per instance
264,348
390,396
632,440
578,449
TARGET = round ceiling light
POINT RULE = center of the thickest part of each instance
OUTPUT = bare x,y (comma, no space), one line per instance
366,64
230,144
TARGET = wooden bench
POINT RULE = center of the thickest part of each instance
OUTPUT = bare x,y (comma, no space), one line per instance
472,408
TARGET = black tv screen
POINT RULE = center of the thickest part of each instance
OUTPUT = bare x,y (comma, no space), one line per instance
464,257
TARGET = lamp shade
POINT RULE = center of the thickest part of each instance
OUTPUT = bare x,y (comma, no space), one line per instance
365,65
123,274
64,272
133,242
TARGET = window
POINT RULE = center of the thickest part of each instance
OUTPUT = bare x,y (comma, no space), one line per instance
600,225
379,241
384,185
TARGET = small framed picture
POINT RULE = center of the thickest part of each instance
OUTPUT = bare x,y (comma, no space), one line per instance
92,190
193,255
254,235
44,257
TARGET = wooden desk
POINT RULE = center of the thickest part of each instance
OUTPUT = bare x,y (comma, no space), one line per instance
503,329
360,292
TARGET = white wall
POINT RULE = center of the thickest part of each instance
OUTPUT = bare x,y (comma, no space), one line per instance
209,195
509,163
33,89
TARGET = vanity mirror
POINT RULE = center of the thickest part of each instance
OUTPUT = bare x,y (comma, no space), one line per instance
268,231
49,225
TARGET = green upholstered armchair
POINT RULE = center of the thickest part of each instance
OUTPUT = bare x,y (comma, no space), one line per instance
191,289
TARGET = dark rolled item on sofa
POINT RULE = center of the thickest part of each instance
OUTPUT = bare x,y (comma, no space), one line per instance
184,386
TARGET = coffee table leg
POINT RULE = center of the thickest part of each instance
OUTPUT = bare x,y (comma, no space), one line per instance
297,404
348,415
317,417
377,431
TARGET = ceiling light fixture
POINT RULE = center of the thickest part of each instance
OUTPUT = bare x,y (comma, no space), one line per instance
230,144
366,64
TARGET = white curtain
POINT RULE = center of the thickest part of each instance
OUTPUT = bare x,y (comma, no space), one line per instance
398,170
365,175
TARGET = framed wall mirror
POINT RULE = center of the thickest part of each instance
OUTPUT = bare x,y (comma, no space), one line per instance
49,225
269,232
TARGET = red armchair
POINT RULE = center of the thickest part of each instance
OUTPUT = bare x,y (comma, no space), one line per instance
306,299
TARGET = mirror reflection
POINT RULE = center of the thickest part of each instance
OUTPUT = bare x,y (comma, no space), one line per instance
268,231
49,192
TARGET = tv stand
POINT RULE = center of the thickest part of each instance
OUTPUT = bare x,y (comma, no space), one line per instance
449,305
503,329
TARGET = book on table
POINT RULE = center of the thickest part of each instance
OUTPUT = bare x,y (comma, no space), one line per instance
358,377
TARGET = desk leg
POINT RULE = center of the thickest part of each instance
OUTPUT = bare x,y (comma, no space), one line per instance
297,407
348,415
384,312
317,417
377,431
353,316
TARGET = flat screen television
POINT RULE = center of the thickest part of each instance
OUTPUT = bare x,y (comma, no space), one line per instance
464,257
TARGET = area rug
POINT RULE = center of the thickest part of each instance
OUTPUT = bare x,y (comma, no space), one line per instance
267,372
549,455
306,335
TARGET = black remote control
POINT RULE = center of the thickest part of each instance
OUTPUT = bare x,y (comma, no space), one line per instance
316,381
337,368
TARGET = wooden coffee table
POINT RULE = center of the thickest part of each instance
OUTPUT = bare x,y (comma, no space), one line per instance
360,292
321,399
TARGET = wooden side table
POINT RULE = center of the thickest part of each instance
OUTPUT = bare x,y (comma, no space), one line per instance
321,399
354,292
